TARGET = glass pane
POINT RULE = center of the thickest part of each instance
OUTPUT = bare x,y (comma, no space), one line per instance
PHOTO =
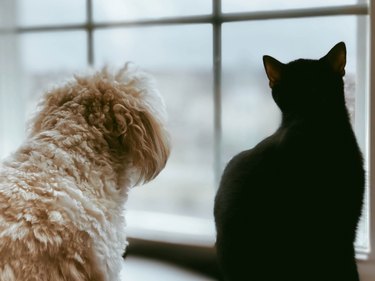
11,113
30,64
249,112
41,12
246,95
261,5
47,58
120,10
180,58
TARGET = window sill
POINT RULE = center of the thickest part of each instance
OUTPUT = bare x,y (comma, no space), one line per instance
184,241
168,228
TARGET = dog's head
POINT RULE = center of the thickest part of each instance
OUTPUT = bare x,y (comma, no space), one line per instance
123,110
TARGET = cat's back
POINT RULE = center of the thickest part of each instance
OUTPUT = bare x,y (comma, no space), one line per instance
296,193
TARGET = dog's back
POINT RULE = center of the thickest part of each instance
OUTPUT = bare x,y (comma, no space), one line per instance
38,241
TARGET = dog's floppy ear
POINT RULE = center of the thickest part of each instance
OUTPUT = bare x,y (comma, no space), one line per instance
143,140
123,118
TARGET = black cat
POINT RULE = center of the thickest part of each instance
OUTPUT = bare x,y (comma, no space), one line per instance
288,209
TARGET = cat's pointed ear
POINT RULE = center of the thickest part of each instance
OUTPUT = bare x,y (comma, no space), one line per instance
336,58
273,69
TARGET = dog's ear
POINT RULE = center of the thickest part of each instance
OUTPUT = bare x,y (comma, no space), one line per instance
123,119
143,139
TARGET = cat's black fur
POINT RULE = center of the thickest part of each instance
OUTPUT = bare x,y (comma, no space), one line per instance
288,209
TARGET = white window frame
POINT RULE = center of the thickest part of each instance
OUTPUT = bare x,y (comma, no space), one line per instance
371,137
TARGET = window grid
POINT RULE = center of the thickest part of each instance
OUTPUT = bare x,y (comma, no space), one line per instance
216,19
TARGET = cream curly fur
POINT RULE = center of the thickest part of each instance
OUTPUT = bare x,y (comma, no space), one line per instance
62,192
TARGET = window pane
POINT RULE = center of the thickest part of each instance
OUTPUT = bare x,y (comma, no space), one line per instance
249,113
261,5
31,63
247,98
43,52
180,59
120,10
40,12
46,58
11,82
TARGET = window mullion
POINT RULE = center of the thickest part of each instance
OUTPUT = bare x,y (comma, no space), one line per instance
89,30
217,87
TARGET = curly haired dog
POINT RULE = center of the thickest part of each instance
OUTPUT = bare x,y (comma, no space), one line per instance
62,192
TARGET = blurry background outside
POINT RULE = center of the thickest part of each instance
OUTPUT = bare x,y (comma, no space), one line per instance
208,68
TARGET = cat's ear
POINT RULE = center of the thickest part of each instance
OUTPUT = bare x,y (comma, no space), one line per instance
273,69
336,58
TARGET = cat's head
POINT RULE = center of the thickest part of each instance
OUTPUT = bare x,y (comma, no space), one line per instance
304,86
